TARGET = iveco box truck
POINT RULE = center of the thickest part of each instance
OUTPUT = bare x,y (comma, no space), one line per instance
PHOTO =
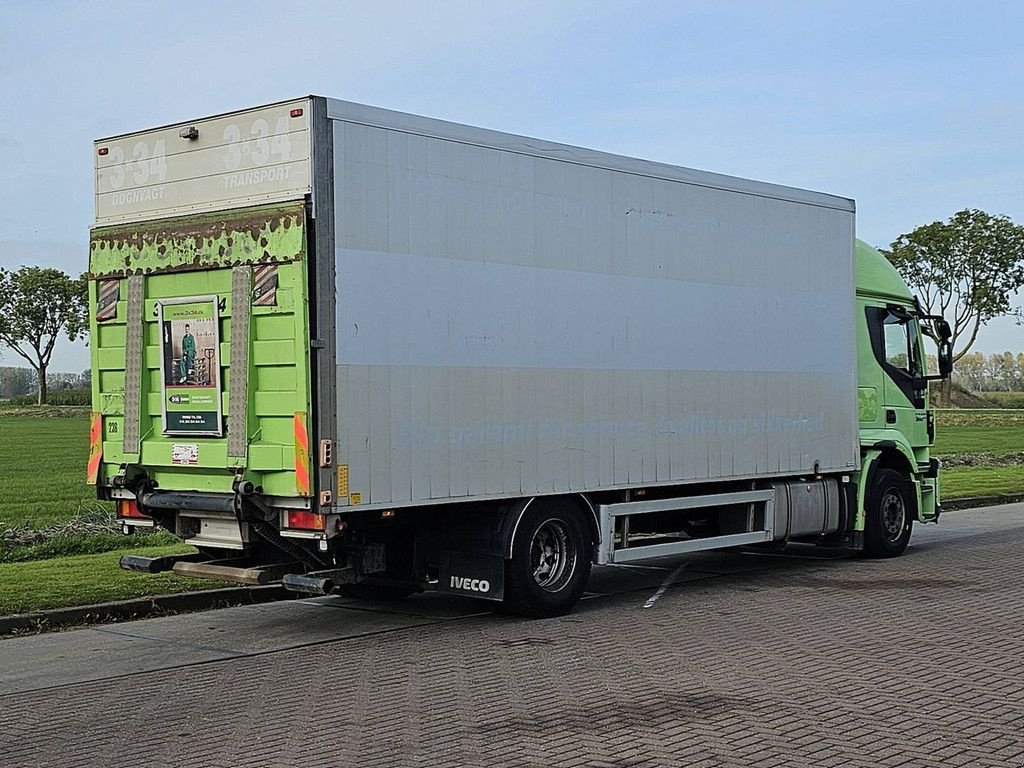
352,349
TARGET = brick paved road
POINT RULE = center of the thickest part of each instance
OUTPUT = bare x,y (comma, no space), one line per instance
750,661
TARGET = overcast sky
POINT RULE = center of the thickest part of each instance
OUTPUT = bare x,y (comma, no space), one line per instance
914,109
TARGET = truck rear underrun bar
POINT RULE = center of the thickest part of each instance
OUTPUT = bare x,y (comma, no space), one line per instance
188,502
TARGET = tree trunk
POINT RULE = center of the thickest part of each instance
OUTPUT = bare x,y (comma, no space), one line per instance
42,385
947,393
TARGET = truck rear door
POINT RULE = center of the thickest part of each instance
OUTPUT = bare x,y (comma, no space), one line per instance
199,287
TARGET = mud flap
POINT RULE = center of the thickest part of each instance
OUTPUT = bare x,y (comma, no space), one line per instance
472,575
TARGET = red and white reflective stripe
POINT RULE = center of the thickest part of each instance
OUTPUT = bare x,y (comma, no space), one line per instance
95,447
108,293
264,285
301,455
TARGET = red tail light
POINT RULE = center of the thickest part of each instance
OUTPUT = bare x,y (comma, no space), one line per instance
129,508
300,518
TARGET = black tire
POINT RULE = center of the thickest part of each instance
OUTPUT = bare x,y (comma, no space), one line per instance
550,562
890,514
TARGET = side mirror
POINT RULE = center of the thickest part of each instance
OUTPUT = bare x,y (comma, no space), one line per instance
945,358
944,338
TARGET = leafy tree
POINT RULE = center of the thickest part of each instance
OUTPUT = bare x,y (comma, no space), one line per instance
970,371
965,269
37,306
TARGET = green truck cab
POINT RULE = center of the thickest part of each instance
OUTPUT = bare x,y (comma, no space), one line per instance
898,482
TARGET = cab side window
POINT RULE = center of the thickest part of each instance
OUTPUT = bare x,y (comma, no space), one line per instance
894,337
898,352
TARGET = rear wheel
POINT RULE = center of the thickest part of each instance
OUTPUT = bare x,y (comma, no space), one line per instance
550,561
890,514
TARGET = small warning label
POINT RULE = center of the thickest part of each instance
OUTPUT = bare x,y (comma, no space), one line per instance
185,453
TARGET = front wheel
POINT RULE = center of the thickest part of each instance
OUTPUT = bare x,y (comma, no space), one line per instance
550,561
889,515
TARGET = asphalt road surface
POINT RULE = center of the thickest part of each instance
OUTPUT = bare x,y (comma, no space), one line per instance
725,659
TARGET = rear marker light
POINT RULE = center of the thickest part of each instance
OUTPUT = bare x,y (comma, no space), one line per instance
300,518
296,113
102,151
128,508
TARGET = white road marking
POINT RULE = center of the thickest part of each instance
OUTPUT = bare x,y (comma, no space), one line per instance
664,587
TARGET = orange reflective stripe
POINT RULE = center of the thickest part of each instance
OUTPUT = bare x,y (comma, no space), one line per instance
95,447
301,455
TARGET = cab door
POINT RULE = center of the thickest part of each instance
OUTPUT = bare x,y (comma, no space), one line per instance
905,398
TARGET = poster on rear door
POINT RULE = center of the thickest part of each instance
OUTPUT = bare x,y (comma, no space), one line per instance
190,366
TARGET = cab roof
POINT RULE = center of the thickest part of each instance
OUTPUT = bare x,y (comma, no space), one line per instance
877,277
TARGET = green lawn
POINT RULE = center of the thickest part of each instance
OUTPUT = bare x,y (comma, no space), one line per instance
42,469
963,482
998,441
85,579
997,432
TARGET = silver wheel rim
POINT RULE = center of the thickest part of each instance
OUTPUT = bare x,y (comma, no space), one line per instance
894,514
552,555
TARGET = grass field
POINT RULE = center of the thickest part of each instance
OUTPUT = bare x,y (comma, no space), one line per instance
993,432
964,482
997,432
42,484
42,469
85,579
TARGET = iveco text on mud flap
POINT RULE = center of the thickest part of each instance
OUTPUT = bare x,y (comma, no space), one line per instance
451,357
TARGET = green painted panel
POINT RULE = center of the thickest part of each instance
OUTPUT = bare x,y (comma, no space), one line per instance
109,359
867,403
278,377
274,327
275,352
275,403
208,241
112,451
111,403
111,381
113,427
279,483
277,429
156,452
194,479
267,457
278,371
111,334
